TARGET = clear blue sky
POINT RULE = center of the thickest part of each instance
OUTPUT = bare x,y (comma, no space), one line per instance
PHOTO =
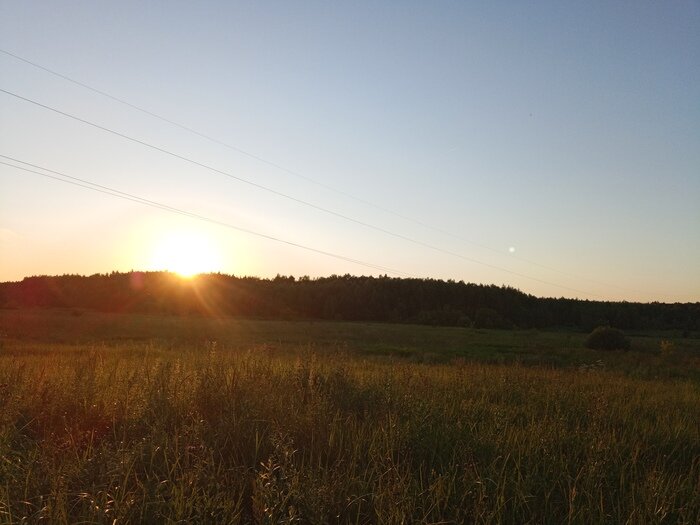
570,133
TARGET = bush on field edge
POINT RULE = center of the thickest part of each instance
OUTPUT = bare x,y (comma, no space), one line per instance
607,338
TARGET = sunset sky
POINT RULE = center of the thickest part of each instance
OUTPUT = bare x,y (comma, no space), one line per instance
548,146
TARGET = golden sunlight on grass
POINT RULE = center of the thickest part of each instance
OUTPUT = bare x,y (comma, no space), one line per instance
186,253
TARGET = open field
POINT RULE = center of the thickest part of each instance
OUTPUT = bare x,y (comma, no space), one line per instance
125,418
415,343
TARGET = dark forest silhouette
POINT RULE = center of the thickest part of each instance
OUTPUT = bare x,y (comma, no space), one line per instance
349,298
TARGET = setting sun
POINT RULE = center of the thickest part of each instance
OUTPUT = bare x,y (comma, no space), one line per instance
186,253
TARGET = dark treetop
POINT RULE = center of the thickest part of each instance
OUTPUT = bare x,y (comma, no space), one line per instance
351,298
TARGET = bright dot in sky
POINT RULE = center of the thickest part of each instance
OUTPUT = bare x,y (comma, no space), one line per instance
186,253
511,249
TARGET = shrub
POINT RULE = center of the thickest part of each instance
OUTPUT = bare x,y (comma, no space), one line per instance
666,347
607,338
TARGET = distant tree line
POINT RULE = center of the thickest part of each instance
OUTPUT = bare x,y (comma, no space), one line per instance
346,297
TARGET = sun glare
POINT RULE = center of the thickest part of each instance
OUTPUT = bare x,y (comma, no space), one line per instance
186,253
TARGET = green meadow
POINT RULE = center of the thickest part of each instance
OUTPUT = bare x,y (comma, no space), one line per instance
108,418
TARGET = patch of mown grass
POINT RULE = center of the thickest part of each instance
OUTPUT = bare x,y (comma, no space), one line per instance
418,343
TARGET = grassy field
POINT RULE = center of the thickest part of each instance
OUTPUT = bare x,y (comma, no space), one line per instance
125,418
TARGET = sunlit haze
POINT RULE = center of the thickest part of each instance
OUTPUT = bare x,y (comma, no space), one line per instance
185,253
554,148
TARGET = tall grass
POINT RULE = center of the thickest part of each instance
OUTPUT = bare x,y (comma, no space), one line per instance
139,432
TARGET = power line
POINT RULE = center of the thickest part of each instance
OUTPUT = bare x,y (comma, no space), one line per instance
302,176
294,199
75,181
203,135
